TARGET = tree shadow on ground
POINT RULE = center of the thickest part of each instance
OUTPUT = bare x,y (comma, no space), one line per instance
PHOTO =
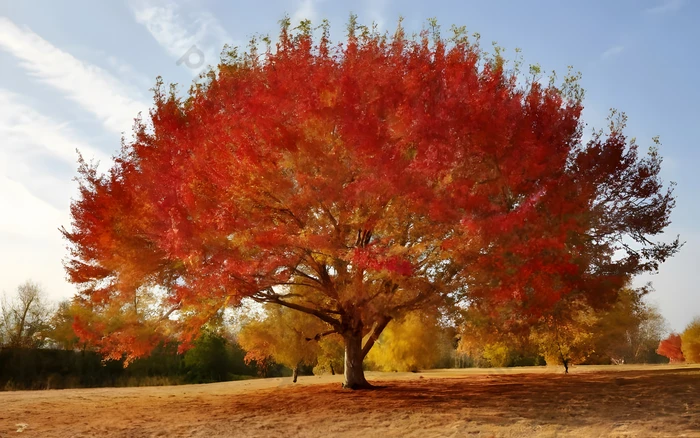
575,400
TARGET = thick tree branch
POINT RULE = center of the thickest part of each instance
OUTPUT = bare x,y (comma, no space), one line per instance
377,329
170,311
305,275
272,297
283,210
321,335
291,283
332,218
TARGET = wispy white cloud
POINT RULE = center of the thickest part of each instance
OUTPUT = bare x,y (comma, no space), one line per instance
184,35
24,212
37,163
94,89
39,153
32,247
611,52
23,128
306,10
29,137
127,73
375,12
666,6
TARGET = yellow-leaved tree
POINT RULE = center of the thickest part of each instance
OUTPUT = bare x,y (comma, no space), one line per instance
409,344
331,355
566,336
289,338
690,341
497,354
489,340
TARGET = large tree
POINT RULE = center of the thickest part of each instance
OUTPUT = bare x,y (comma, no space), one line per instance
378,176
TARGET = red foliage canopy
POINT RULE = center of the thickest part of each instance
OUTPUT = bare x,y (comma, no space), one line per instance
671,348
381,175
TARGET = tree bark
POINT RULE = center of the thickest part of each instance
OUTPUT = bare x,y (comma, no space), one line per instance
354,374
332,370
295,373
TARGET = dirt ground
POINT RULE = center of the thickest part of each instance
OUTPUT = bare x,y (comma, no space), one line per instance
641,401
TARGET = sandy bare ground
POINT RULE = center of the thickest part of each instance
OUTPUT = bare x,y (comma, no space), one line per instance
641,401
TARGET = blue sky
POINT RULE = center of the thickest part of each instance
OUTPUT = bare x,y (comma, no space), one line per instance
75,73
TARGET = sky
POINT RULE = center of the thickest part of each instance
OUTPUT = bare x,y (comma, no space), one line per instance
74,74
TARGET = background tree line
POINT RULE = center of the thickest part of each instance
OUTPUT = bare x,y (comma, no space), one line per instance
39,348
628,331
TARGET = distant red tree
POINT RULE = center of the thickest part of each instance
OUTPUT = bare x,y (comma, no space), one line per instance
671,348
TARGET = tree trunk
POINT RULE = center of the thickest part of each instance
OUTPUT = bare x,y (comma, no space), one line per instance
566,366
20,329
295,373
354,375
332,370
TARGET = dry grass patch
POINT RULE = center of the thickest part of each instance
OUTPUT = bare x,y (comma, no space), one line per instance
632,401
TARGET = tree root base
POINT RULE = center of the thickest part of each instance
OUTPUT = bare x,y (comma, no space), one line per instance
358,386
